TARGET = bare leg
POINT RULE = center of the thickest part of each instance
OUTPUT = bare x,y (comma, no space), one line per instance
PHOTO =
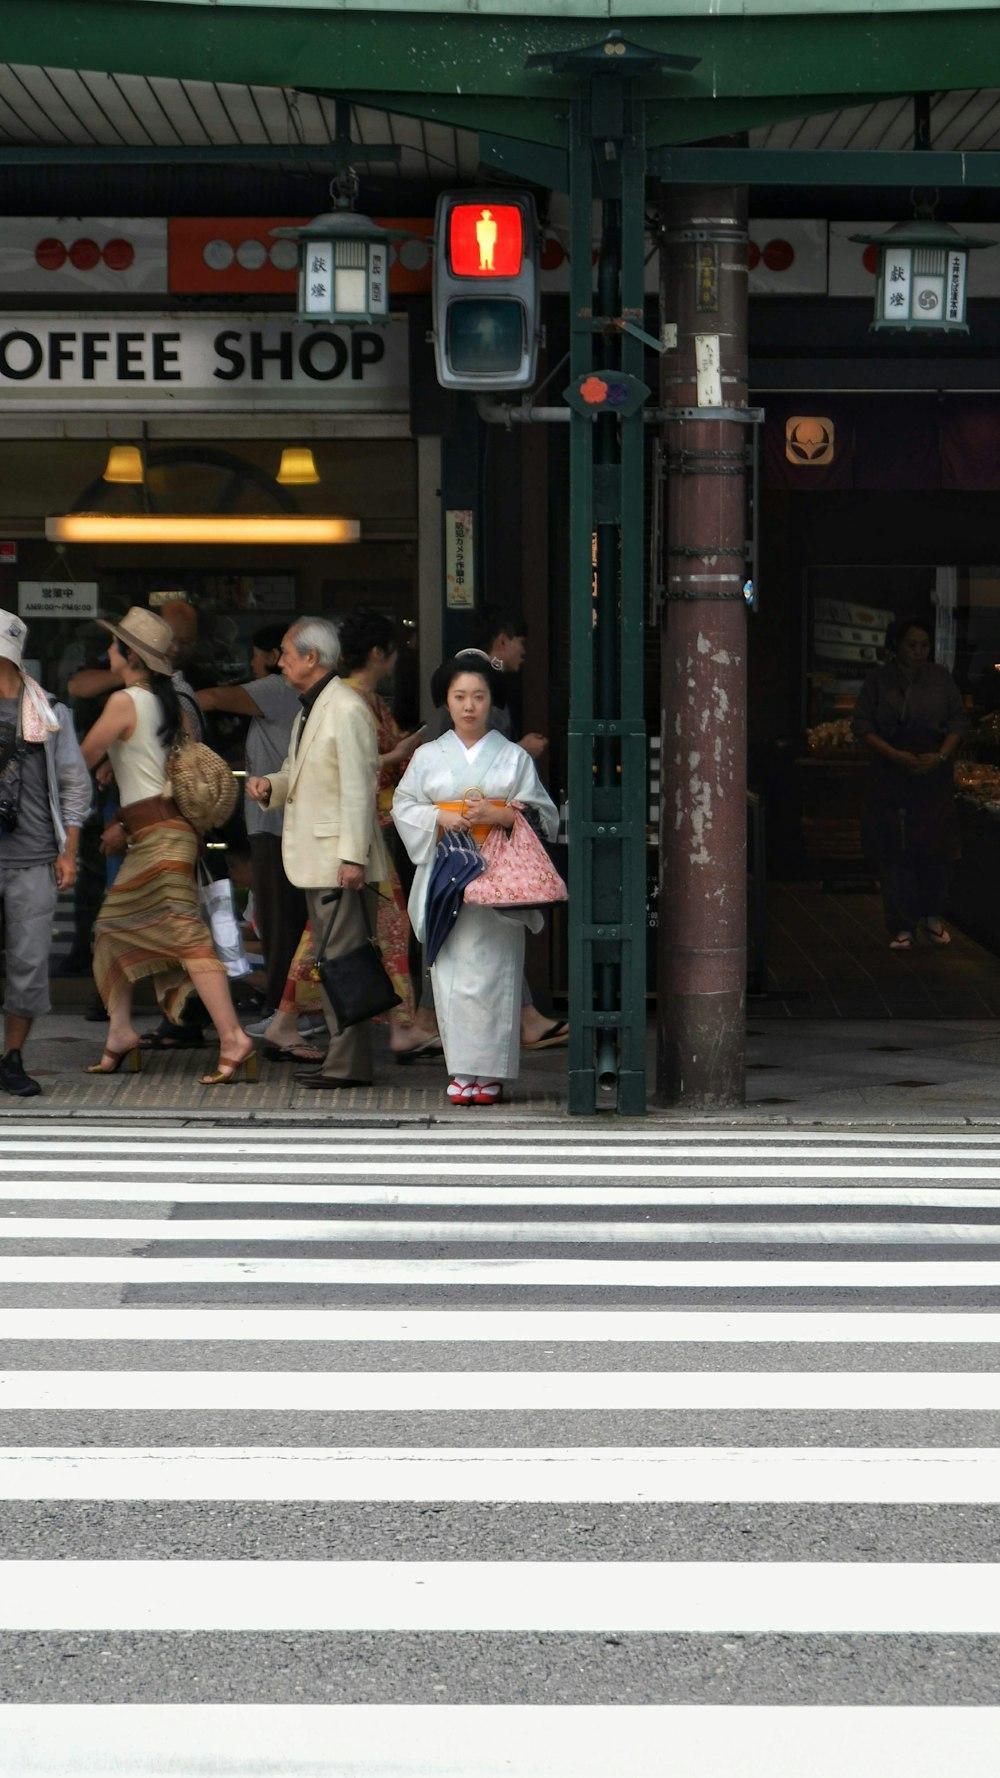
283,1030
403,1038
122,1034
218,1002
15,1032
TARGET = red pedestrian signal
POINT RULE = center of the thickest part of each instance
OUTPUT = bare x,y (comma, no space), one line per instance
485,240
486,320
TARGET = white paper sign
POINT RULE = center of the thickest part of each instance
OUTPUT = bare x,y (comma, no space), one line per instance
459,575
708,371
57,598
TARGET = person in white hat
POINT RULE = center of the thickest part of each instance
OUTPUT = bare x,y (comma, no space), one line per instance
44,801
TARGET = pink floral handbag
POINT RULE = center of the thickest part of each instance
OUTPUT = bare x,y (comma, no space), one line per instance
519,872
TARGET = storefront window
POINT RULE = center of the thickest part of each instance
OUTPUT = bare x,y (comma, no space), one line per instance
234,588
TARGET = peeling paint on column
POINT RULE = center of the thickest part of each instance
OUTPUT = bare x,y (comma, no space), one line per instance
700,1016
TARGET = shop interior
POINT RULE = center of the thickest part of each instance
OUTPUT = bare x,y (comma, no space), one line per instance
840,566
235,588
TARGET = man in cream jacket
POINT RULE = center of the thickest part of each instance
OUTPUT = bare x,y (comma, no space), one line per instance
330,836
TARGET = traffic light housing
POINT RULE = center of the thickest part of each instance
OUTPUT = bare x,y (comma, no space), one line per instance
486,289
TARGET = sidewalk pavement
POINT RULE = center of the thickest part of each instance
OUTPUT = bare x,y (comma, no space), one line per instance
833,1072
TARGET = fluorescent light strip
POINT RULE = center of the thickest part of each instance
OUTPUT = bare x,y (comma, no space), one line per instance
500,1741
401,1392
89,527
686,1598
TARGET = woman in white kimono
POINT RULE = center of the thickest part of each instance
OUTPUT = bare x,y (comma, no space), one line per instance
468,780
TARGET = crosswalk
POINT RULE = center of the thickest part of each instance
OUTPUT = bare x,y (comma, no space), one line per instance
430,1453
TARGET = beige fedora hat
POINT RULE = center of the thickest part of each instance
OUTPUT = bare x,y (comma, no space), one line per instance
148,636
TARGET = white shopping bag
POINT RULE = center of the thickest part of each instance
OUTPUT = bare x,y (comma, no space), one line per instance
218,910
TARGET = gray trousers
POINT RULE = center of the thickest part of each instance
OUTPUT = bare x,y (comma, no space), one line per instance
28,902
349,1054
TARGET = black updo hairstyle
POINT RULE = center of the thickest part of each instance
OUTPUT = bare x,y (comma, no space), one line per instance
468,660
360,631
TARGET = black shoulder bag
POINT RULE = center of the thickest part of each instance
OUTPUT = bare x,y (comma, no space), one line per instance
356,984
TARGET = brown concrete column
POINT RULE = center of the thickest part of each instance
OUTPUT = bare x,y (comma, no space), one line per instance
702,958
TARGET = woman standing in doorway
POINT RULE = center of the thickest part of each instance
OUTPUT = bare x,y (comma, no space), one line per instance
911,719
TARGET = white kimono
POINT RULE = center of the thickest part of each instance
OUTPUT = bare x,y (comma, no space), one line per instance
477,974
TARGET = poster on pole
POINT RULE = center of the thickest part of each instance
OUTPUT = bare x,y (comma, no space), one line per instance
458,557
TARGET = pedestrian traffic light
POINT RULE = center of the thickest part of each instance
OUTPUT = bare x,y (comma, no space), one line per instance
485,289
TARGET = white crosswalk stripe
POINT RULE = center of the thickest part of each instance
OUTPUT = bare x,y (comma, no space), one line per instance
301,1431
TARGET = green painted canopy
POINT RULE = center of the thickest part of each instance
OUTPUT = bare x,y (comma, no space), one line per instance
463,64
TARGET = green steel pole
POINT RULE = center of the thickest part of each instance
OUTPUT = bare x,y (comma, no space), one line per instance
632,1059
581,1097
606,732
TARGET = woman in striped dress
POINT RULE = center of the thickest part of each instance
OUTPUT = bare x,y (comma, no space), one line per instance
149,923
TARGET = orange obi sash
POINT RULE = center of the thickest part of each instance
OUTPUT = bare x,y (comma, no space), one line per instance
478,833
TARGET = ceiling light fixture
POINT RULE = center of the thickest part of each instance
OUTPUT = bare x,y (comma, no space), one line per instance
149,527
124,464
298,467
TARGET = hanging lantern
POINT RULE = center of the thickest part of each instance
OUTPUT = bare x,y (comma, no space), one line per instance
343,268
920,280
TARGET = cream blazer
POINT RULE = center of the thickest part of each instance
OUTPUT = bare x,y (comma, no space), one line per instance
327,790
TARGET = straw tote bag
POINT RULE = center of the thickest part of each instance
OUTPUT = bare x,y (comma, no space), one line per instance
519,872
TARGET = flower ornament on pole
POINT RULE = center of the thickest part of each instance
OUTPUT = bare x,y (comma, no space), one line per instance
921,276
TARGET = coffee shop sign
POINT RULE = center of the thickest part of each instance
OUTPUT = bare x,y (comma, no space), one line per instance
203,361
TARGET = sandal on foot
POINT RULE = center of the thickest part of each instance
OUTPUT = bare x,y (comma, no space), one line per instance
487,1092
419,1053
551,1039
231,1068
903,941
116,1058
458,1094
938,934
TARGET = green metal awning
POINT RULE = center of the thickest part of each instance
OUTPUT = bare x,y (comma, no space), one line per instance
603,11
147,77
467,54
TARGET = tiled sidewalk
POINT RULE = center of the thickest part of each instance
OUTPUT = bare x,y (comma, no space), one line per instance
828,1072
63,1044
